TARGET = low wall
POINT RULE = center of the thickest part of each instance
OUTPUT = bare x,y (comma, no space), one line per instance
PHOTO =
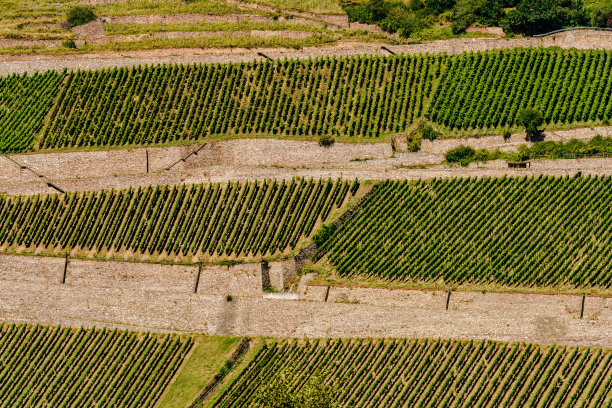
31,291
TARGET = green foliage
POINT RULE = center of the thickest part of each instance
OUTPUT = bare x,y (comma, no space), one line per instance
323,234
326,141
601,15
24,103
377,373
467,12
280,394
292,98
414,142
486,90
69,44
531,119
393,16
428,132
481,231
507,135
541,16
460,154
354,186
79,15
64,367
194,222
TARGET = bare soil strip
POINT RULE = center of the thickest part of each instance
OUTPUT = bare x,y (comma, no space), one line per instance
10,64
28,293
250,159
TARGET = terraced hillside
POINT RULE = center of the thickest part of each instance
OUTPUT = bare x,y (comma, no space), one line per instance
178,222
431,373
352,97
542,232
51,366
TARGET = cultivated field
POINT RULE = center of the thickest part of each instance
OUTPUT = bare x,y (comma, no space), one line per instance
431,373
351,98
542,232
54,366
179,222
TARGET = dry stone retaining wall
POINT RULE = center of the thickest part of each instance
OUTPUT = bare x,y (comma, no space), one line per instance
10,64
357,312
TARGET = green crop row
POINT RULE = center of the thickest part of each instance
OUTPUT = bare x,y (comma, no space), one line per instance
62,367
488,90
197,221
546,232
431,373
350,97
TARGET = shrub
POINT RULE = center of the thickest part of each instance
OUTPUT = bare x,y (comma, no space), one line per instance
323,234
229,298
541,16
428,132
532,119
461,154
79,15
414,142
69,44
326,141
507,135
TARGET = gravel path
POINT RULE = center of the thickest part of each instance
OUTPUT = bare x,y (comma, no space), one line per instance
30,63
259,159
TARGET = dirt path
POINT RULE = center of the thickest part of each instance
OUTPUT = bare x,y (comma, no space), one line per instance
30,63
248,159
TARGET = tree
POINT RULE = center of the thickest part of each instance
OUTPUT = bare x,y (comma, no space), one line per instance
79,15
379,9
541,16
531,119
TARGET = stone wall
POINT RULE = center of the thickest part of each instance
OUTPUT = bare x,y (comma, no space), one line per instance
349,312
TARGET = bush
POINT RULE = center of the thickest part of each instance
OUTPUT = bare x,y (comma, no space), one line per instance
601,16
541,16
323,234
69,44
326,141
79,15
461,154
414,142
531,119
507,135
428,132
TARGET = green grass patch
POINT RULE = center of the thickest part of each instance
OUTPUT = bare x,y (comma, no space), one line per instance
208,355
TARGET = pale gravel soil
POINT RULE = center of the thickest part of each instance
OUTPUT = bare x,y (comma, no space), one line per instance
259,159
30,63
30,290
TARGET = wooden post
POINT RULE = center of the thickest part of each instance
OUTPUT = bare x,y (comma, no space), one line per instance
261,54
197,282
65,270
147,153
327,294
582,306
448,299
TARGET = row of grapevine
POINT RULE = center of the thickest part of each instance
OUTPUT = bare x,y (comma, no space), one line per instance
62,367
362,96
199,221
24,102
431,373
487,90
527,232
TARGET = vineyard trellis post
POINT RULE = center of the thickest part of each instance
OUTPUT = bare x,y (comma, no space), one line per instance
65,269
197,282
